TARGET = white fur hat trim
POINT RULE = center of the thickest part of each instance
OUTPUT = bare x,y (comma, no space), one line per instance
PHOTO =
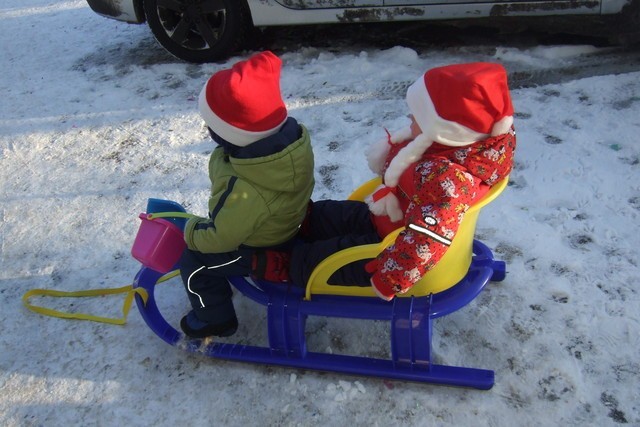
433,126
228,132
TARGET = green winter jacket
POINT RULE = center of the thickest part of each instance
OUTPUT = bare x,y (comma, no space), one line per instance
256,201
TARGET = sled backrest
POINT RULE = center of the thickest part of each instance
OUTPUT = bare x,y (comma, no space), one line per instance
449,271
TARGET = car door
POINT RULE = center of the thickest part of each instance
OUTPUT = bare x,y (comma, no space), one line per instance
330,4
547,5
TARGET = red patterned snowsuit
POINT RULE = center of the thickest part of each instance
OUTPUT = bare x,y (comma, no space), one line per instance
434,194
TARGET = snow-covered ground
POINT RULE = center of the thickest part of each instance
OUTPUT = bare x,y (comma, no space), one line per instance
95,118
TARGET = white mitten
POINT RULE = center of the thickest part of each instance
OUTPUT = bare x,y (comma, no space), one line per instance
383,201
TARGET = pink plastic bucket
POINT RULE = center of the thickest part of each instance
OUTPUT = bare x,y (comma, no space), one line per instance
158,244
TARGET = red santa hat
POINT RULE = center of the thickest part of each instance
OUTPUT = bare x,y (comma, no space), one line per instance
243,104
454,105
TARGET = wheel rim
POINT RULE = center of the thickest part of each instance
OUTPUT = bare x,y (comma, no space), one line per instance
193,24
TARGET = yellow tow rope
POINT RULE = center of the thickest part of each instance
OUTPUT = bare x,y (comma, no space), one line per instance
129,290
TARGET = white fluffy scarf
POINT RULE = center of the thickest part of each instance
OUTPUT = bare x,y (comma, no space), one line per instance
383,200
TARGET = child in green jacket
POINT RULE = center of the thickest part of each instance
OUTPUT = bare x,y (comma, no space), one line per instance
261,183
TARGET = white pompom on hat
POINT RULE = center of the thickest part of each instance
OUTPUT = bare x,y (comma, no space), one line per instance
243,104
454,105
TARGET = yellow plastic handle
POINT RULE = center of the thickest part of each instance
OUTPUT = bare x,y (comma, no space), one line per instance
318,281
170,215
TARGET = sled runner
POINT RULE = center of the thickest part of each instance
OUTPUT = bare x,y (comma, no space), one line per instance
457,279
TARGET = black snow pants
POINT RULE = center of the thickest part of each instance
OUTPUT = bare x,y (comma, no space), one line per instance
332,226
205,278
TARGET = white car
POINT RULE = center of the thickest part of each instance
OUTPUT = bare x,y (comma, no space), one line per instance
206,30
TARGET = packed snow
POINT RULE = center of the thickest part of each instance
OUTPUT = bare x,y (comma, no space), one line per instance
95,118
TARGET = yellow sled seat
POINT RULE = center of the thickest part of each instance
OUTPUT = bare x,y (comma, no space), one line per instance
449,271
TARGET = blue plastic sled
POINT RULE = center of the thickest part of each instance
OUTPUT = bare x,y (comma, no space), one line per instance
410,317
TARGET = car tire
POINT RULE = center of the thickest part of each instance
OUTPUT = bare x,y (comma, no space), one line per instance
198,30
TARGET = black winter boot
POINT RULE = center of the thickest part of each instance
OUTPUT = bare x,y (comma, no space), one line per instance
196,328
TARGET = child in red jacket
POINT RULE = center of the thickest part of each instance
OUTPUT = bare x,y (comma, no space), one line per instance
459,144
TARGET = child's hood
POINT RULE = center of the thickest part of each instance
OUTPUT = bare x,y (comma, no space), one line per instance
281,162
